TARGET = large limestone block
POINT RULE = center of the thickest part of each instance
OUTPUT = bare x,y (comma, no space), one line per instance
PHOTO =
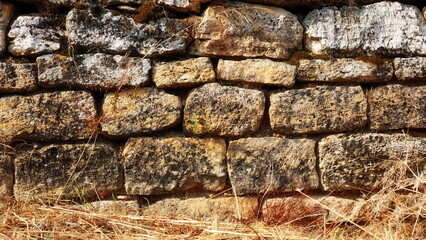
6,175
112,32
384,28
258,71
396,106
205,209
137,111
69,170
271,164
362,160
344,70
6,14
223,110
93,71
16,77
407,69
67,115
247,30
158,166
34,35
183,73
318,109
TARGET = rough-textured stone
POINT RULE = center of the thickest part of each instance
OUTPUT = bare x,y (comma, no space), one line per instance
67,115
109,31
260,71
35,35
344,70
183,73
271,164
205,209
157,166
410,68
223,110
6,14
116,207
247,30
92,71
384,28
137,111
396,106
299,3
190,6
6,175
318,109
79,3
16,77
69,170
361,160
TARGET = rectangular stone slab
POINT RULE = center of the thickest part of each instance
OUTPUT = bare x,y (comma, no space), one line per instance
157,166
271,164
397,106
17,77
410,69
360,161
69,170
318,109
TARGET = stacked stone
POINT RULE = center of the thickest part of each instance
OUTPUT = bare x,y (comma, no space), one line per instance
244,97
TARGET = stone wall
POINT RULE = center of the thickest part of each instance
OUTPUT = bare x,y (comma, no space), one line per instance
172,99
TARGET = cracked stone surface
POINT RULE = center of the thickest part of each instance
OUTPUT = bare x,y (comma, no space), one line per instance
218,110
318,109
375,29
410,69
271,164
366,160
6,13
17,77
157,166
93,71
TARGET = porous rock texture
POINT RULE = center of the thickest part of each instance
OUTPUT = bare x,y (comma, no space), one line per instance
410,69
344,70
218,110
66,115
158,166
375,29
240,29
16,77
205,209
318,109
364,161
6,14
187,6
136,111
397,106
112,32
272,164
183,73
7,175
68,170
34,35
258,71
70,3
92,71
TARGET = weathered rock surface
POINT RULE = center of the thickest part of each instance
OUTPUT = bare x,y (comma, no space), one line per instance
93,71
187,6
205,209
376,29
407,69
157,166
396,106
67,115
6,173
271,164
247,30
223,110
344,70
35,35
259,71
16,77
70,3
69,170
318,109
112,32
183,73
6,14
362,160
299,3
116,207
137,111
